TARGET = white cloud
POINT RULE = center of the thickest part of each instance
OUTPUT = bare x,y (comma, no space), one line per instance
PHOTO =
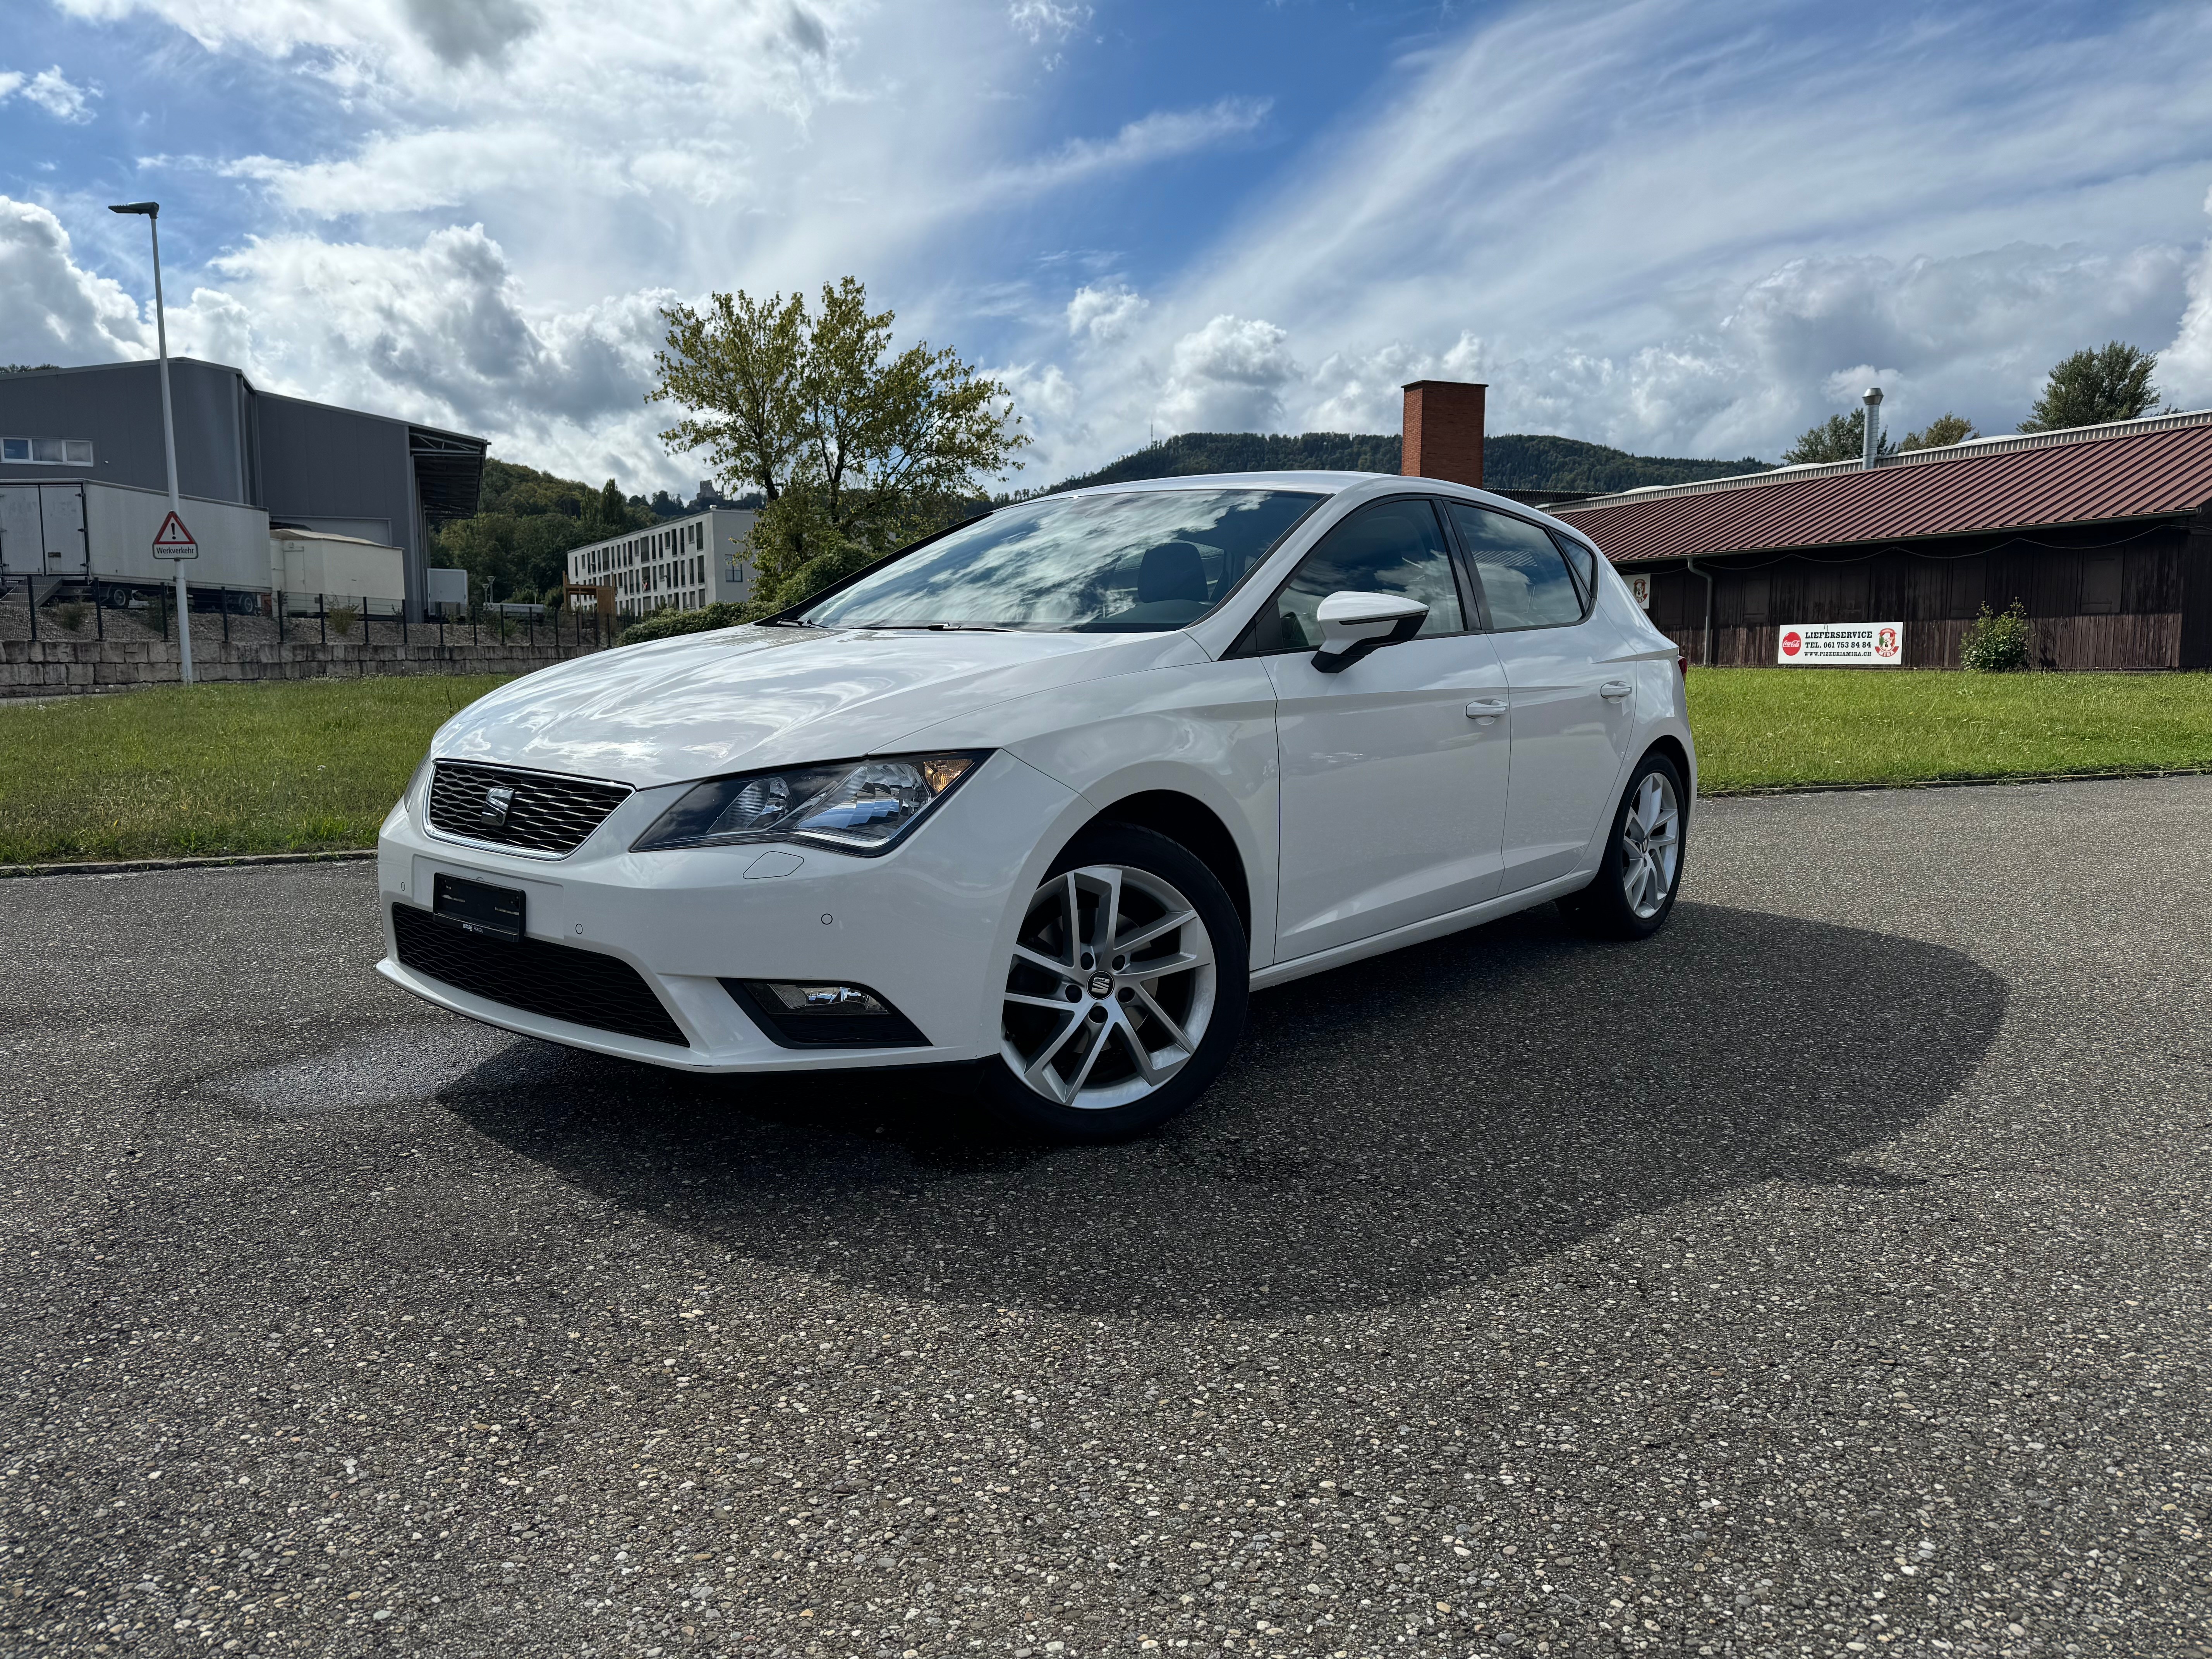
1040,21
1156,138
52,309
1102,315
1228,376
2184,367
1680,226
1637,223
51,91
442,333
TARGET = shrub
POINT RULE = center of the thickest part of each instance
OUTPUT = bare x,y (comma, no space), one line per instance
342,617
70,616
1995,644
665,624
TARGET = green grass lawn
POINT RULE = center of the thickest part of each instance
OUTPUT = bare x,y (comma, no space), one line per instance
297,767
1776,728
313,765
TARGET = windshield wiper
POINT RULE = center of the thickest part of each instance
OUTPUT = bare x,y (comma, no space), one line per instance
939,628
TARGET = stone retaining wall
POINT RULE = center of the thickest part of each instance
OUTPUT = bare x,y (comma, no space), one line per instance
55,667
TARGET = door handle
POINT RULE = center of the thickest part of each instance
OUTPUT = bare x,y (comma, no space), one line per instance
1615,690
1485,709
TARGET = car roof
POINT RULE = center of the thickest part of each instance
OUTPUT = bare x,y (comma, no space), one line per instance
1321,482
1330,483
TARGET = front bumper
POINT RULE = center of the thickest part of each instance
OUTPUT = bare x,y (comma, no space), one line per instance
928,925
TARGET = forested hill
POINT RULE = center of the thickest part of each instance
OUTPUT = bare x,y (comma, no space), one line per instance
1509,461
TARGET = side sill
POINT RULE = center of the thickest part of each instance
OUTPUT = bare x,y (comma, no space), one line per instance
1419,933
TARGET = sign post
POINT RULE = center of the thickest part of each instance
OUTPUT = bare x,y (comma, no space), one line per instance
151,212
174,542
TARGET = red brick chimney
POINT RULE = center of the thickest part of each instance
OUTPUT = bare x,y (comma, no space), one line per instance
1444,431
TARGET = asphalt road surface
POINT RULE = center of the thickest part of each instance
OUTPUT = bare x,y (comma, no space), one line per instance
1829,1275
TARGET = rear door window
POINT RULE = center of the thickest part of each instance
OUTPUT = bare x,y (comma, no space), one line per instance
1524,577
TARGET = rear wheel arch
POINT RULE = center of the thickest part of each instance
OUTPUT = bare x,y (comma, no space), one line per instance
1673,749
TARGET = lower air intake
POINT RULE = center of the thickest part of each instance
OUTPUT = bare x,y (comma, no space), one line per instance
555,981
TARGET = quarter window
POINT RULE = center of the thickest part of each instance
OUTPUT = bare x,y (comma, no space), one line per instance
1524,580
1582,562
1392,547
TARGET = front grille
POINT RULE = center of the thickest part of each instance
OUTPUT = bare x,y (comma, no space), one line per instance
558,981
548,814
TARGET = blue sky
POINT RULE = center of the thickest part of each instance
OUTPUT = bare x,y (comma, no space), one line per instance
1687,228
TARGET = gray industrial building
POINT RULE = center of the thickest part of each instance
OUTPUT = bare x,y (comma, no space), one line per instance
309,465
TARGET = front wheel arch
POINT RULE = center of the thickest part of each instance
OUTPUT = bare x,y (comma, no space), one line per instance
1193,826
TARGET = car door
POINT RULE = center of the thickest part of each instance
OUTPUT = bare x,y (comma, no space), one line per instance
1393,770
1572,697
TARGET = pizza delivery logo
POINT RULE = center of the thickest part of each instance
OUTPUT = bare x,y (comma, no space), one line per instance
1885,642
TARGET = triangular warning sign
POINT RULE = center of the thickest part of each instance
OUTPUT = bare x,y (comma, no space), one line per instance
172,533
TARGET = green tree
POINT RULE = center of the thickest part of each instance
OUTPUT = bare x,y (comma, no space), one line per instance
2095,384
516,544
736,371
855,449
1945,429
1839,438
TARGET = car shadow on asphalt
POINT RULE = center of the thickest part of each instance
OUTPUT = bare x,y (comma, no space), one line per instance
1433,1117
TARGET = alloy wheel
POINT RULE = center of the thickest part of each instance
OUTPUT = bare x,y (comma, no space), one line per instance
1651,846
1111,989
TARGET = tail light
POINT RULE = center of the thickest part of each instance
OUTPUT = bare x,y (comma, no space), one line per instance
1682,665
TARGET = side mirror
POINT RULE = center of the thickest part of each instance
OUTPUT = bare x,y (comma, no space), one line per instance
1354,624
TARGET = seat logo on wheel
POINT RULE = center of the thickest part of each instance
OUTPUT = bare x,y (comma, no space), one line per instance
1101,984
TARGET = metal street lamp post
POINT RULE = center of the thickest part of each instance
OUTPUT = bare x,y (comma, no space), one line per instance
151,212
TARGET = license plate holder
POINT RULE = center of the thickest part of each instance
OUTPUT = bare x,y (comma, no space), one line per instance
480,907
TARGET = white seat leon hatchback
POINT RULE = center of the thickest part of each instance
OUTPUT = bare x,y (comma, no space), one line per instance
1051,794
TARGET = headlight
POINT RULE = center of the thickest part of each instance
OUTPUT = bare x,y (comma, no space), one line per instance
415,797
858,806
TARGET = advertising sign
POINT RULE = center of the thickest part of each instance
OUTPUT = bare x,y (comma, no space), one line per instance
1641,587
1841,645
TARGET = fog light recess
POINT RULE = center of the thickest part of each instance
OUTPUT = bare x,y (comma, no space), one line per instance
823,1014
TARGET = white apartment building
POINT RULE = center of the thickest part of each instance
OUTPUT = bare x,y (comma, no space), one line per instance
686,562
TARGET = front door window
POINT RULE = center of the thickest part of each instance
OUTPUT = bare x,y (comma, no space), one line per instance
1393,772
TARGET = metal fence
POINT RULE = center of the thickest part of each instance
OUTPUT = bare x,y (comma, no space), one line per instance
41,608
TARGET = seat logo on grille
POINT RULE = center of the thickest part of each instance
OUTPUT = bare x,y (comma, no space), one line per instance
496,800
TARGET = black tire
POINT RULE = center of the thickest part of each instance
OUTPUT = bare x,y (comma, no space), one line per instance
1604,909
1146,853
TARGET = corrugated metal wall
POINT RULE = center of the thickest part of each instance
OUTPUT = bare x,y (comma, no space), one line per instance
118,407
2107,597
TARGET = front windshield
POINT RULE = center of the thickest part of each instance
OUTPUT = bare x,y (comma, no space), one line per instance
1137,562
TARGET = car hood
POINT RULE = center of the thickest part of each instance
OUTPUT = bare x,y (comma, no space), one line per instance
741,698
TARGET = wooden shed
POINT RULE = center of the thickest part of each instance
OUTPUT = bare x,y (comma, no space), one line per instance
2104,534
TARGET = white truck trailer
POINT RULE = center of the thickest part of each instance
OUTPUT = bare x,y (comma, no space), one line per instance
101,536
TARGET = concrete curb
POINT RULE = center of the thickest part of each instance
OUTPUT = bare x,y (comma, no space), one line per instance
2007,780
140,867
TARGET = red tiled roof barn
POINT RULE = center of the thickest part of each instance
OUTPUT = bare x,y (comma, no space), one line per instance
2103,533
